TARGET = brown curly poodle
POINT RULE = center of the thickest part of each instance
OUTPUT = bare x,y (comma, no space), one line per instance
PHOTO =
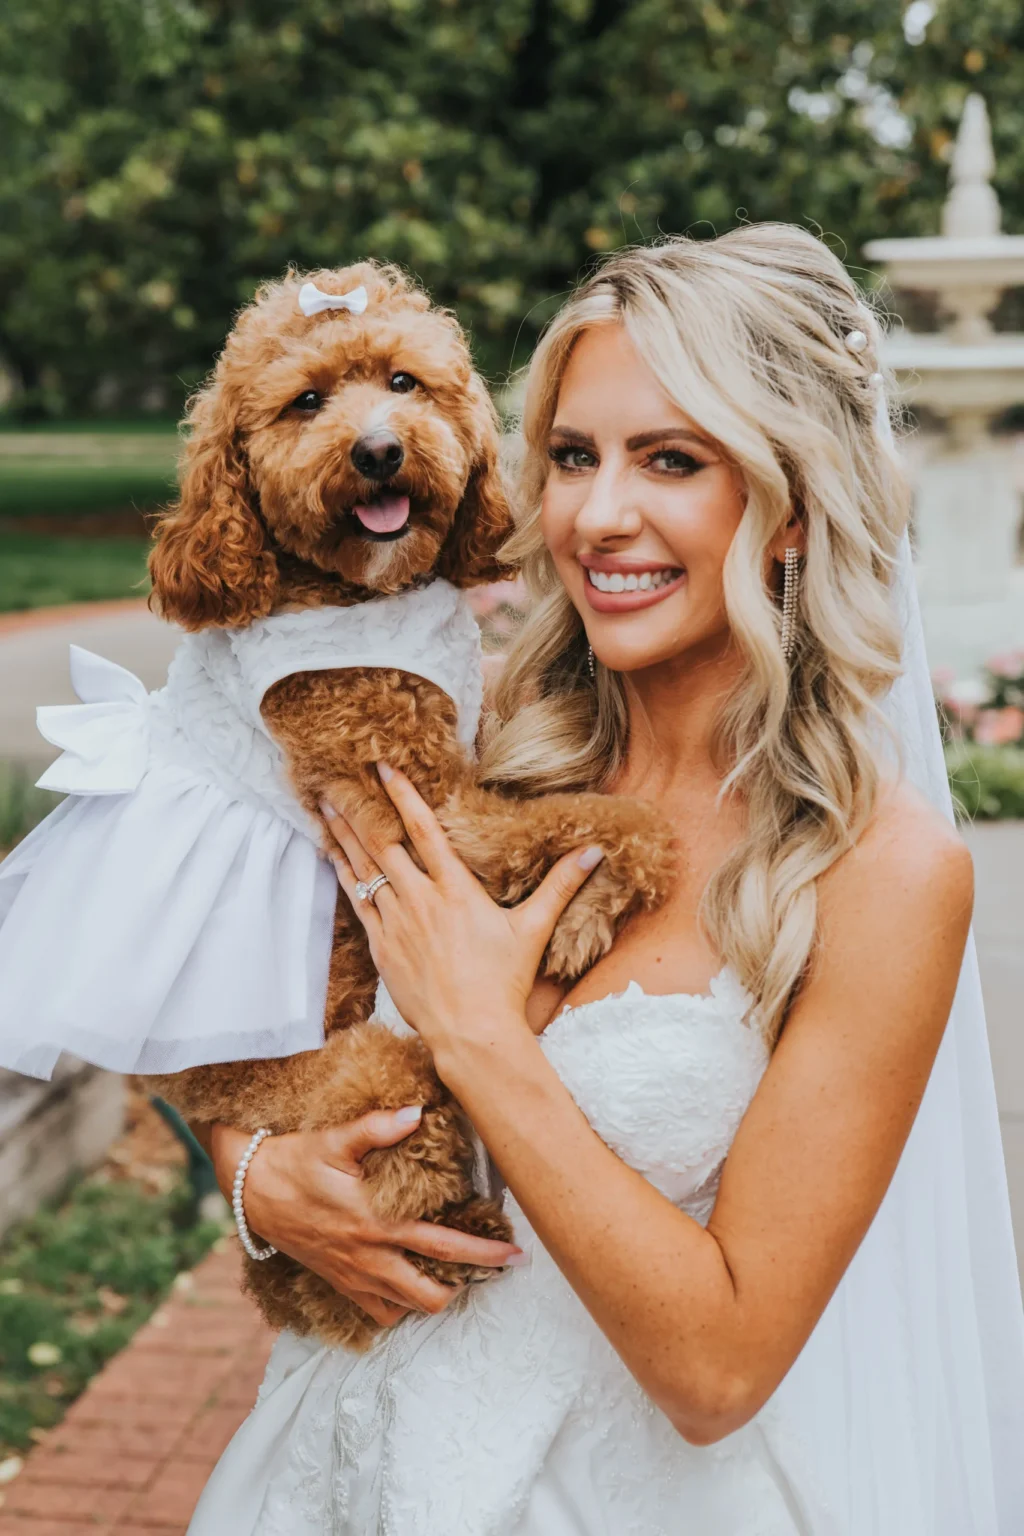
333,458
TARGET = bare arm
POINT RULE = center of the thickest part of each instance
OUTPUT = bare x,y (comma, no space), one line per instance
708,1321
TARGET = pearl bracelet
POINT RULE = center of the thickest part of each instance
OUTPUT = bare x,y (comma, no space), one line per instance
245,1236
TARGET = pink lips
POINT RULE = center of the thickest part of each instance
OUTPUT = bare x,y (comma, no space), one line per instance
387,514
626,602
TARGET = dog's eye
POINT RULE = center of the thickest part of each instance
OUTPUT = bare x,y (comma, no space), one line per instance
403,383
310,400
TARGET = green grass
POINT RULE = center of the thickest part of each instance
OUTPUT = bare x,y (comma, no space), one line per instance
22,806
987,782
69,490
85,468
107,426
76,1282
38,570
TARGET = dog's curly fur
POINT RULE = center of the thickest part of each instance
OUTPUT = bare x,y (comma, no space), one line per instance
264,523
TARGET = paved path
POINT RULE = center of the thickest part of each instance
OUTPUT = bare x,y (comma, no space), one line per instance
134,1452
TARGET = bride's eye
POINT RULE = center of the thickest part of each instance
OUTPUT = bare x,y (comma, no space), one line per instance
674,461
568,457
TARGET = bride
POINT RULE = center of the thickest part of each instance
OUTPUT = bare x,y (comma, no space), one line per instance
743,1303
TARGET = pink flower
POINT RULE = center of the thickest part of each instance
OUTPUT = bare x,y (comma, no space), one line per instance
1009,665
484,600
999,727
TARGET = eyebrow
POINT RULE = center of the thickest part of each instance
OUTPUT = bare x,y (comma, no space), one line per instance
633,444
663,435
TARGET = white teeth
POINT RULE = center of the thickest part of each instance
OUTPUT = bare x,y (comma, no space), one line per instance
615,581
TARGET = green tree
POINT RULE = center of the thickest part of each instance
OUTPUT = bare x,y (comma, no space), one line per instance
160,157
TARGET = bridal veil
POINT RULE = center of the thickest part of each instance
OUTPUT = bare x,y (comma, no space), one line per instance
909,1396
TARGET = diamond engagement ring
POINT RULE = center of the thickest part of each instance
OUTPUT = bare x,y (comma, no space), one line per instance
366,892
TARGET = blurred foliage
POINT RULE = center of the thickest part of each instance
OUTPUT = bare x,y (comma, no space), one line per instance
75,1284
162,156
987,781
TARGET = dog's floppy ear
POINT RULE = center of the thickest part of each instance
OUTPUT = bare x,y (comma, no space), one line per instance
484,519
211,564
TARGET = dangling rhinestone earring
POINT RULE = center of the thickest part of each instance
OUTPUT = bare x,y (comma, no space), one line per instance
590,661
789,589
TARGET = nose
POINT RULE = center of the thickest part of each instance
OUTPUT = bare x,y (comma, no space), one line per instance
607,512
378,455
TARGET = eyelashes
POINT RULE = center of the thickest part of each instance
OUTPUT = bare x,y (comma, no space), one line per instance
564,453
674,462
685,463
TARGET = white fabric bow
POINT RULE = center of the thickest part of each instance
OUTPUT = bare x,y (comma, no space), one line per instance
312,300
105,738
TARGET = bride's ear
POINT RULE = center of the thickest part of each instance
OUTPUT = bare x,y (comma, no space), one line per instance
792,535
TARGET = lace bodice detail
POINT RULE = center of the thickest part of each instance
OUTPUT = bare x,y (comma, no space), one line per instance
511,1414
430,632
664,1081
208,720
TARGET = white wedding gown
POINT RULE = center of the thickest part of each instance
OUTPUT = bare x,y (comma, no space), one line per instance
510,1414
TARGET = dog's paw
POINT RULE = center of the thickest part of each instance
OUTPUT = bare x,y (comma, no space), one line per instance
482,1218
636,874
587,927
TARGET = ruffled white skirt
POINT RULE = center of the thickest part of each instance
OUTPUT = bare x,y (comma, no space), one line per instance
156,921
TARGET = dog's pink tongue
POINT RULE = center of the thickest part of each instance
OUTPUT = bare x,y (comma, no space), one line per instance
386,515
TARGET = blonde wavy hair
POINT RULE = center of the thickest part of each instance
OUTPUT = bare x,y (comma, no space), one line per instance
746,334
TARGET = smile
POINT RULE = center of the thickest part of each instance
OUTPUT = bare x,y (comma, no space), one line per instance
623,590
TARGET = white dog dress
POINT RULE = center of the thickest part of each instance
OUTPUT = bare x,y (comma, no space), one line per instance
175,909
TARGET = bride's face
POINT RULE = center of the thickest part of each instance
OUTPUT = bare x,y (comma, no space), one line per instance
639,509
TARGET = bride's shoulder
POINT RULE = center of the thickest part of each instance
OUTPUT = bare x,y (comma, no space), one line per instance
908,859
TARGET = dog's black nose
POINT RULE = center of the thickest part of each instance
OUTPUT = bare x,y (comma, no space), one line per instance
378,455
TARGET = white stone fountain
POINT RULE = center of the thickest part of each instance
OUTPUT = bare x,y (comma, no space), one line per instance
968,507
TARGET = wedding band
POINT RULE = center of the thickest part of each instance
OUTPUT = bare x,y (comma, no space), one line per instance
366,892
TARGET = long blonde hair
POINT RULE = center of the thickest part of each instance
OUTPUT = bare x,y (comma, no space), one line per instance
747,335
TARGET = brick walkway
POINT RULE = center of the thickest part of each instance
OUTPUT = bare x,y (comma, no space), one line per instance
133,1453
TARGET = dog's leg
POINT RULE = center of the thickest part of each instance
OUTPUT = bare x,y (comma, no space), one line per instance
335,726
511,844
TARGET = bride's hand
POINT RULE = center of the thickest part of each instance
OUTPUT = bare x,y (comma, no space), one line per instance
459,967
304,1195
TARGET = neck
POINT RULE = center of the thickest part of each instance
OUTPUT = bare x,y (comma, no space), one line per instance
674,709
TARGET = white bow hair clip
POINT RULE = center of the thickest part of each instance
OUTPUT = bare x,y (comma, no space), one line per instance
313,301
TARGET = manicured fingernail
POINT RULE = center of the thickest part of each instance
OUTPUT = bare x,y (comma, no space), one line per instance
517,1260
591,857
409,1115
386,773
327,809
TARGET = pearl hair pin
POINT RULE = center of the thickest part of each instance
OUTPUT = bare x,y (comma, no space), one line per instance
858,342
237,1200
